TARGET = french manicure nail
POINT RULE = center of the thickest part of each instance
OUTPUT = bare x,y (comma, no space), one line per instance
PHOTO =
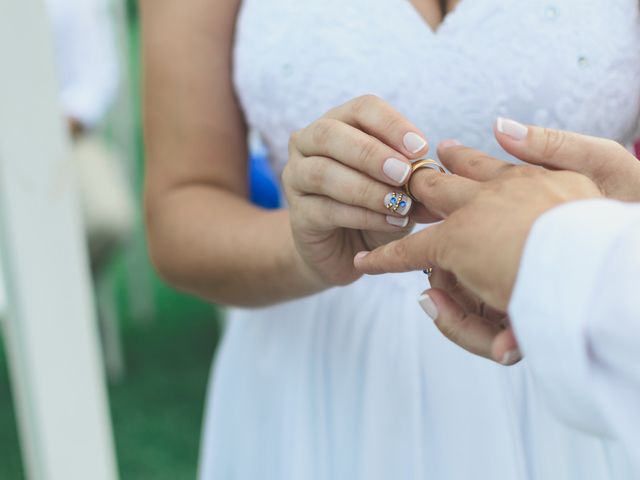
511,357
414,142
448,144
399,203
396,170
398,221
511,128
428,306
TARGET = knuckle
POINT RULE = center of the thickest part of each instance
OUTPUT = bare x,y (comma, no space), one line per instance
400,252
601,169
293,143
392,122
504,169
367,152
585,184
445,248
316,174
427,184
476,161
609,145
294,137
442,253
362,193
363,103
322,130
370,220
618,149
520,171
552,143
331,212
286,174
450,327
432,180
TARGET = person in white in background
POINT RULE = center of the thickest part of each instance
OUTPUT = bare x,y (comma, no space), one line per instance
563,263
88,75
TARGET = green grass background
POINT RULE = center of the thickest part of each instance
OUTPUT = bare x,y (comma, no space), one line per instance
157,408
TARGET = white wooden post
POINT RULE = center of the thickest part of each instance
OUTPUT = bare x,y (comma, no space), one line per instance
55,363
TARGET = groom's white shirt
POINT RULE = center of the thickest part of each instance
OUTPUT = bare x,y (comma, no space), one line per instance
576,313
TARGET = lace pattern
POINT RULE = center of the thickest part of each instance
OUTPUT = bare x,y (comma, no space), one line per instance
566,64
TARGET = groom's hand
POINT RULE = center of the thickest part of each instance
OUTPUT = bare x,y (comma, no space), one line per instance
481,241
607,163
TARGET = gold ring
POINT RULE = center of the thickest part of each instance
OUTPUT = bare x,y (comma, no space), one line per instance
417,165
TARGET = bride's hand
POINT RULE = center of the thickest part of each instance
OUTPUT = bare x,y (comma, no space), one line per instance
342,174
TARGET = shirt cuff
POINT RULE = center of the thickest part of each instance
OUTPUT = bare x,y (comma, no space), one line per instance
559,271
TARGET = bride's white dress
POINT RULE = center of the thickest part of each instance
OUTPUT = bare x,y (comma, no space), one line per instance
356,382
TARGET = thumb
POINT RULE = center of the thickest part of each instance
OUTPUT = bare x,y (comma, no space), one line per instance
607,163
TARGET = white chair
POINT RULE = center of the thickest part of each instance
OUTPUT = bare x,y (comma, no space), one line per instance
3,302
55,364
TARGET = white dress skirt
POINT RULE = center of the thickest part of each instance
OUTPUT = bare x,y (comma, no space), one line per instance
356,382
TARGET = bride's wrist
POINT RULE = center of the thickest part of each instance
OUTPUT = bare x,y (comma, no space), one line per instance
308,275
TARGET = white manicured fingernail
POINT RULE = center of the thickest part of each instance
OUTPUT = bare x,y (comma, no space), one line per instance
398,221
413,142
511,128
399,203
511,357
428,306
448,144
396,170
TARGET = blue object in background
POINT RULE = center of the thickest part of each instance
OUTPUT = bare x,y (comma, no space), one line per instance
263,186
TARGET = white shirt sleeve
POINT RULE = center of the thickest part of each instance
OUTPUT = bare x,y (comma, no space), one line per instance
576,312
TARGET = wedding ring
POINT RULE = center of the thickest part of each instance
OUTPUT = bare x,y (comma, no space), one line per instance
417,165
428,271
396,201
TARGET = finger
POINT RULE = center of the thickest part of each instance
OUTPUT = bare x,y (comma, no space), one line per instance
326,177
441,193
420,214
448,282
607,163
505,349
323,213
470,163
471,332
415,252
353,148
379,119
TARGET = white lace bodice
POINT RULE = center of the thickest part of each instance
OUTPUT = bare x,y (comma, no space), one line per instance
571,64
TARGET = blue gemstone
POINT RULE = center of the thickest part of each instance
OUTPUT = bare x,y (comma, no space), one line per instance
393,200
403,204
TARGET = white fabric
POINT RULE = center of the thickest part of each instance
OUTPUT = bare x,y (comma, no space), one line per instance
576,312
86,58
355,383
